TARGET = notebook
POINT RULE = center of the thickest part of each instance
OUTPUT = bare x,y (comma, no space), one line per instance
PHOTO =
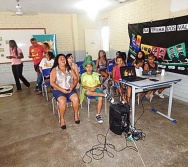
128,73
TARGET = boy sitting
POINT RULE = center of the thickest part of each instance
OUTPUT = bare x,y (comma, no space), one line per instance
91,86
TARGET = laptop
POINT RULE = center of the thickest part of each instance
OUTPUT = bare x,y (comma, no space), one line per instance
128,73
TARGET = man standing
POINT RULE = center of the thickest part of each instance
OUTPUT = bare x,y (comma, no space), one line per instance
36,52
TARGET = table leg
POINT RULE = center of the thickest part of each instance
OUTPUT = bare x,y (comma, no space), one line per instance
170,100
169,106
133,107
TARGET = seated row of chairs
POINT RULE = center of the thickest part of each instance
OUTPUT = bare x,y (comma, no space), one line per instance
46,83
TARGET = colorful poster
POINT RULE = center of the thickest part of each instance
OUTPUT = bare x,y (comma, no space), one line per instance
146,48
159,52
50,39
163,36
138,42
135,44
177,52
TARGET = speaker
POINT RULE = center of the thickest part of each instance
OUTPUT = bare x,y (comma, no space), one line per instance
119,118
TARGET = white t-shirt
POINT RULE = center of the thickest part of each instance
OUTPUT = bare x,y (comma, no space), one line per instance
139,71
46,64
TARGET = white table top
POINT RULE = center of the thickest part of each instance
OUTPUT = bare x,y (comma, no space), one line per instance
163,80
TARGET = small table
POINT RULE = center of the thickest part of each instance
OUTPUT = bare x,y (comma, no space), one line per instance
146,85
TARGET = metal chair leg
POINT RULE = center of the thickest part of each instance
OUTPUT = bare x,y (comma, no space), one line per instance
42,89
58,112
88,103
53,106
105,107
46,92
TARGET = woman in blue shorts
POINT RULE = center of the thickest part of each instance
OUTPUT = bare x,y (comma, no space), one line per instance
64,80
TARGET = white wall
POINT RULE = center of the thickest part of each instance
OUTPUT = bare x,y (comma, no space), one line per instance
180,89
6,76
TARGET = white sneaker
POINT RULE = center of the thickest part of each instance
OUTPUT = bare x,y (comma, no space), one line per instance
159,94
99,118
109,98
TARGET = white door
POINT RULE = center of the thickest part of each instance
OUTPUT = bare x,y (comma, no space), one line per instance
93,42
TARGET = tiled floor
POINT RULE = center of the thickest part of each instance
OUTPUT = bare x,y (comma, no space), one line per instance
31,137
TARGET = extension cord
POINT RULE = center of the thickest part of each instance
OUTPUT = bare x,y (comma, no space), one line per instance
130,138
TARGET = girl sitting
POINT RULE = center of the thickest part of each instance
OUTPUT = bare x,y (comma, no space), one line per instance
45,63
116,76
74,66
102,65
140,55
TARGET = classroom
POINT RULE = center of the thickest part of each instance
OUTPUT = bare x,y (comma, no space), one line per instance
107,119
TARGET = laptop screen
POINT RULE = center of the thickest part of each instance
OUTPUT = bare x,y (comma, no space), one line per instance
127,72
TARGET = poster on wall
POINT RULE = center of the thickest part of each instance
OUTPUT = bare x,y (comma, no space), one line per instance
135,44
158,52
166,39
50,39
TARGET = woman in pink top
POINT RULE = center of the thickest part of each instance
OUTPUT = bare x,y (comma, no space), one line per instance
17,66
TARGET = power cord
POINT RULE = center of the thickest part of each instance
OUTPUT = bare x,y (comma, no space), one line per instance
98,151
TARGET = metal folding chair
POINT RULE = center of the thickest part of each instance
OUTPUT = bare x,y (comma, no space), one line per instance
54,101
46,81
89,98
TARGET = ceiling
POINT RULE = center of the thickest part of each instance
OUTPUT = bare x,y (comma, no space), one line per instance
52,6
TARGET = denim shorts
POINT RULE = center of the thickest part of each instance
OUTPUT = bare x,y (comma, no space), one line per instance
57,94
96,90
102,70
116,84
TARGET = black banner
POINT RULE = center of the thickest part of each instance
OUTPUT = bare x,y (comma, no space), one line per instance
166,39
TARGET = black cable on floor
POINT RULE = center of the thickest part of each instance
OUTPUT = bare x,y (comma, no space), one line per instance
98,151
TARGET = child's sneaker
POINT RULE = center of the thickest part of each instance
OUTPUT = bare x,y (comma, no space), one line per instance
109,98
99,118
159,94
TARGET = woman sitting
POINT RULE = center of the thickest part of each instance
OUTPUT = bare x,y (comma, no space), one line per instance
64,80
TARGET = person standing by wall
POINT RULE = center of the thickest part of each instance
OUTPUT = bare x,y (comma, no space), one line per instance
36,52
17,66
